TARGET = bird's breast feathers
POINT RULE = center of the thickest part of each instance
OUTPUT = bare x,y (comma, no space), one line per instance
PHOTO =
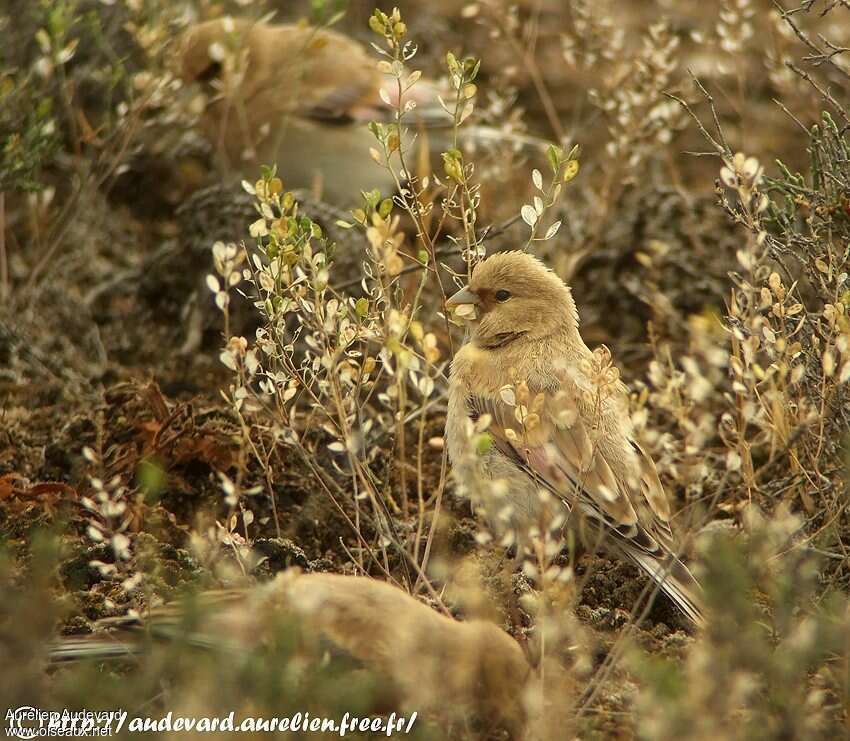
487,371
539,419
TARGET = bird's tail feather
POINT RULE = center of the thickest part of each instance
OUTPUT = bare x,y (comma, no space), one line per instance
492,135
437,127
94,647
676,580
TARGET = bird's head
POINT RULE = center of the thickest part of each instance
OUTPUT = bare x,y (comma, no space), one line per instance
201,48
511,295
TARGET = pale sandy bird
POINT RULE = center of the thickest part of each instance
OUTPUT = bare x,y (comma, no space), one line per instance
302,98
558,421
434,664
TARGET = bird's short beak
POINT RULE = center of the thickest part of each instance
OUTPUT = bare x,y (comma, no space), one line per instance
463,296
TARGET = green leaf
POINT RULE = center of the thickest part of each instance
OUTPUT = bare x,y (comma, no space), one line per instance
571,170
553,154
483,443
377,25
451,63
151,478
386,208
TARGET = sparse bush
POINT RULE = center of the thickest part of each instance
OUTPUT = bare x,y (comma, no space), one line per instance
772,663
27,134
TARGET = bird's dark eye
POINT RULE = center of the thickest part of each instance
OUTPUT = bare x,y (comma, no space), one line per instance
502,295
209,73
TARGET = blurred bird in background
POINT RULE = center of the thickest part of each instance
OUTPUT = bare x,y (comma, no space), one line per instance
433,664
558,422
302,97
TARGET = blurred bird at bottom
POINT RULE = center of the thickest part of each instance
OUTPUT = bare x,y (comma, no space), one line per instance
557,422
434,664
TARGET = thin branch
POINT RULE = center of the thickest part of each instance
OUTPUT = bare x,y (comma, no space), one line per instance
825,94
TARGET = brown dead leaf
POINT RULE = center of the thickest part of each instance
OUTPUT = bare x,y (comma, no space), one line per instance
7,485
51,488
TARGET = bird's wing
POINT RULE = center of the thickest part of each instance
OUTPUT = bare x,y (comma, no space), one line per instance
548,438
343,83
337,80
358,97
654,495
351,99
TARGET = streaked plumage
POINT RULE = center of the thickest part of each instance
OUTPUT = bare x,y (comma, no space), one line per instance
558,420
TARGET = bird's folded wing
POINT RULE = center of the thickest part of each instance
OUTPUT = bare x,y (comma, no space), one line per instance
358,97
350,100
335,79
548,439
654,495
